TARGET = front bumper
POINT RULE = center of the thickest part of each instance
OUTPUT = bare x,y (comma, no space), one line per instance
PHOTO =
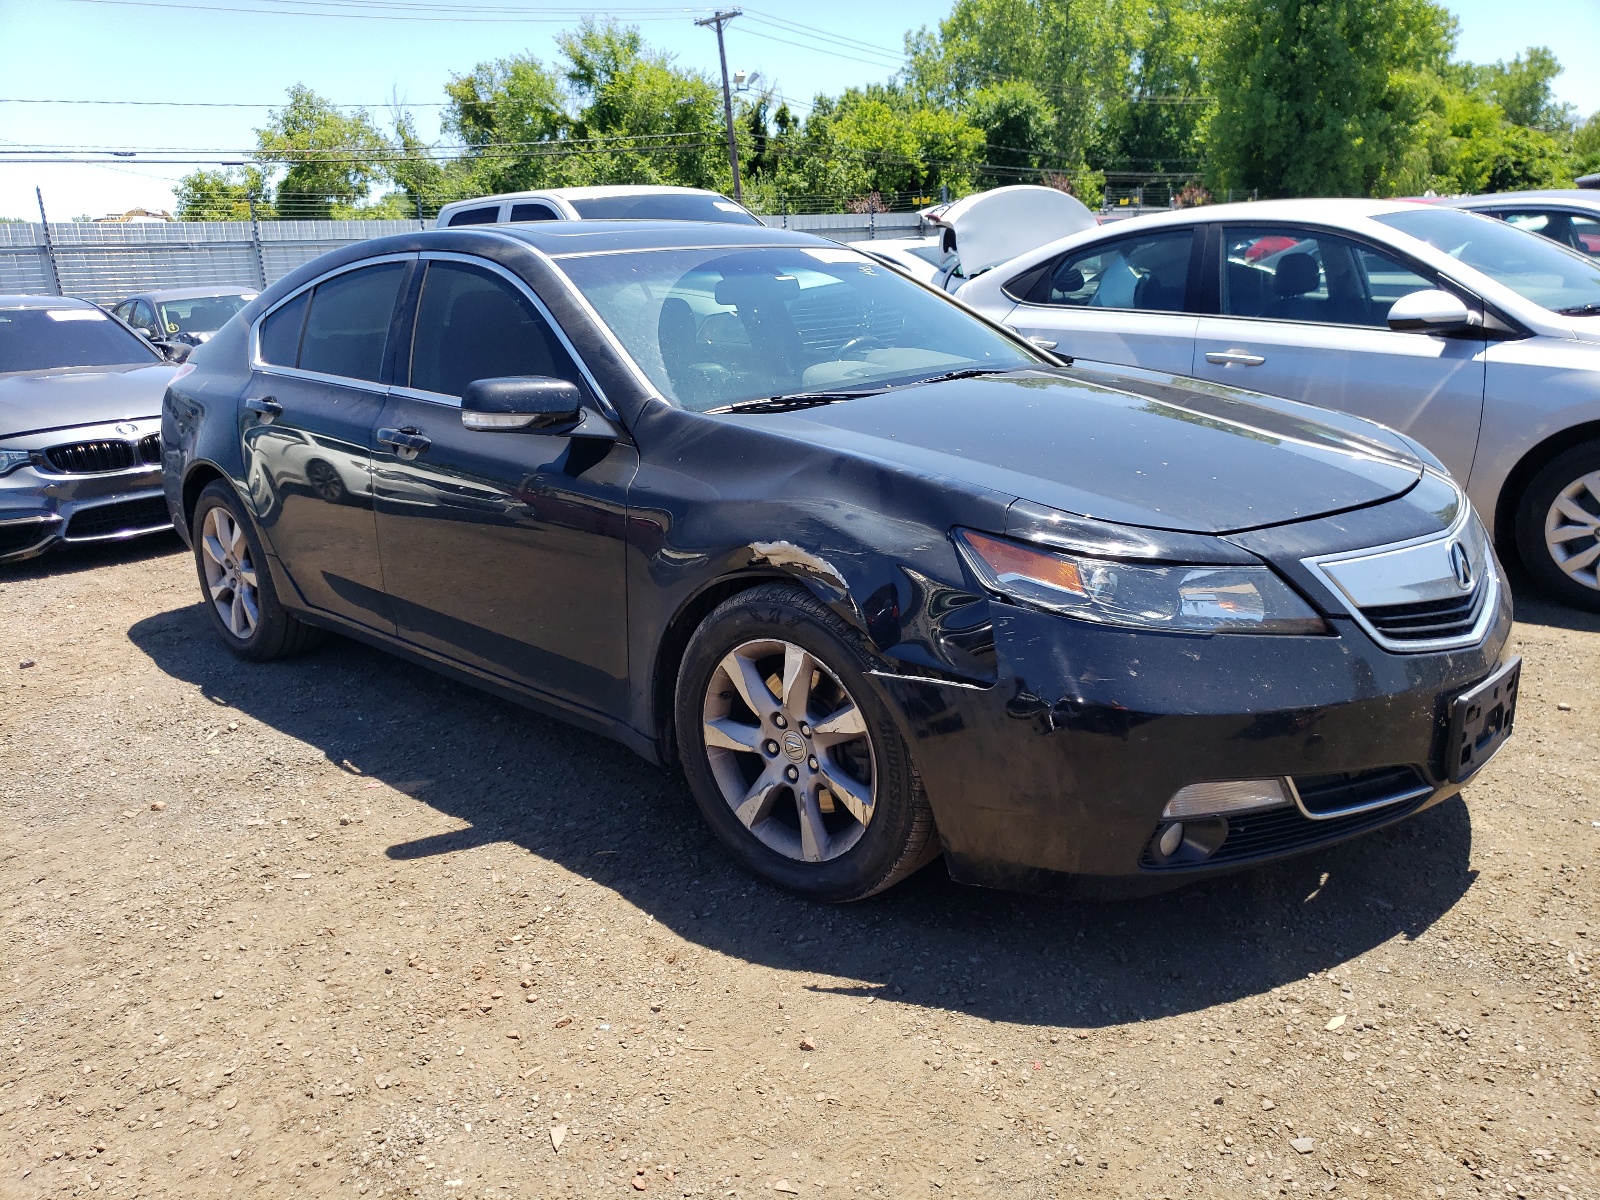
43,506
1059,773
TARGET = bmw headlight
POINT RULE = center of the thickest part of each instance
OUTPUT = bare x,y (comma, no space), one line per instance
10,460
1197,598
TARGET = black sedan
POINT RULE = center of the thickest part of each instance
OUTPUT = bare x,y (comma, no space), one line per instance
885,580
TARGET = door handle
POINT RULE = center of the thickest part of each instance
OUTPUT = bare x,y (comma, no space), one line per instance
408,443
1041,342
1236,358
266,406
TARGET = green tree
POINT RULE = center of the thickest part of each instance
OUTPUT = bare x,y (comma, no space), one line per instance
1018,125
1585,149
224,195
333,159
1522,90
1327,97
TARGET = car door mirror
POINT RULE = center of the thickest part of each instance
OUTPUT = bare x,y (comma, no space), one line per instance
175,351
535,403
1431,311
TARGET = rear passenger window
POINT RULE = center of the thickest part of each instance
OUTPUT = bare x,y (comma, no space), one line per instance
280,332
1149,273
532,212
471,324
348,325
475,216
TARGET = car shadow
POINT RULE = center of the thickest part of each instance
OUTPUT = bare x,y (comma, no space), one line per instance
91,556
576,799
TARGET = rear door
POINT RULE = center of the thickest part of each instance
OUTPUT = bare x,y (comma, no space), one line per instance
1304,315
502,550
1128,301
314,399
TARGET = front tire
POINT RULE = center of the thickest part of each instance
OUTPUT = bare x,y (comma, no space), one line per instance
1558,527
793,759
236,584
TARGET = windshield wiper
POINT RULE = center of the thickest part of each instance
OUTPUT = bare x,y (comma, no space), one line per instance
1589,309
793,400
964,373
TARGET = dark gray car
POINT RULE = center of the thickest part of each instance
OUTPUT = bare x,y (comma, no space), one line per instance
80,422
185,316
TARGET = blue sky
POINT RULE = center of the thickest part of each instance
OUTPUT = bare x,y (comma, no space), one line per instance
208,51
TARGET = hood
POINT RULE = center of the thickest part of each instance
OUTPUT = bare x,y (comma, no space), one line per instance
1586,329
1131,451
995,226
32,401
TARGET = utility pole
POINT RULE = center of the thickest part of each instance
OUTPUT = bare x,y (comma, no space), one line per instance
718,20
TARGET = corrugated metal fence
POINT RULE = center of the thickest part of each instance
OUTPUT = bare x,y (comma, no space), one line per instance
108,262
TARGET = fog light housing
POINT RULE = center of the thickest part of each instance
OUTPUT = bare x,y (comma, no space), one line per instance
1223,796
1170,839
1187,843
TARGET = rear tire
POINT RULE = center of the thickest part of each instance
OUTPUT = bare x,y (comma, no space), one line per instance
793,759
236,584
1558,527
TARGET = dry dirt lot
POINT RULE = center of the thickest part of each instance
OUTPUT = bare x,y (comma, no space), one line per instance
336,927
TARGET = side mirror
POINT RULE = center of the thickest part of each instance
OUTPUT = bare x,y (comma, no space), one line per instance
1430,312
536,403
175,351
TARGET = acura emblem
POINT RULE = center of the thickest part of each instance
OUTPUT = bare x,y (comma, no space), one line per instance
127,429
1461,566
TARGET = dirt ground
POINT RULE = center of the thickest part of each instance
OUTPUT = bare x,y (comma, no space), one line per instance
337,927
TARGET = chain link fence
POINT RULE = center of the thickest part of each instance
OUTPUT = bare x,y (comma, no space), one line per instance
108,262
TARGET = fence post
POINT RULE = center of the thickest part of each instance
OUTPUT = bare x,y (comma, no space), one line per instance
255,240
49,246
784,201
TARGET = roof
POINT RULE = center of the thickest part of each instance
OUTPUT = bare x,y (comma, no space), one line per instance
195,293
1587,195
44,302
558,238
589,193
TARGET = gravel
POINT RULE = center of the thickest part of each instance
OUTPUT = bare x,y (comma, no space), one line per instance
266,929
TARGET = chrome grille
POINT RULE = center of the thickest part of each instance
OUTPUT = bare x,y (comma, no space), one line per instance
150,449
91,458
1428,619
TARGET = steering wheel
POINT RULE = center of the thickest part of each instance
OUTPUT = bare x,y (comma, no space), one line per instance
865,342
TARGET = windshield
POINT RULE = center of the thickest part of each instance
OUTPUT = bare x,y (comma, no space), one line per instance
664,206
43,339
1534,267
202,314
713,327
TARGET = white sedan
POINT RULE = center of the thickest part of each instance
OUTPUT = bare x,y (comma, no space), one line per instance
1478,340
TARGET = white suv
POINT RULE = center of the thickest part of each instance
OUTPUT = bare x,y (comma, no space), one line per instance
597,204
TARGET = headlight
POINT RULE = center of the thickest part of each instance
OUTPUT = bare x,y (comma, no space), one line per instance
1184,599
10,460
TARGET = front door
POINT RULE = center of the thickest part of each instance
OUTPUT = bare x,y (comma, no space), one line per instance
1120,302
314,399
502,550
1305,316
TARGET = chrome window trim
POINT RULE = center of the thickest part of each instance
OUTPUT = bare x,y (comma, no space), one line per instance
1491,583
607,408
258,364
582,301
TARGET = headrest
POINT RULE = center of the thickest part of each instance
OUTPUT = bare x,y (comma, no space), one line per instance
1297,274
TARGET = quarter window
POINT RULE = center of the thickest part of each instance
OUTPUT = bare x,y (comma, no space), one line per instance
280,332
471,324
140,317
475,216
1281,274
533,212
1149,274
348,325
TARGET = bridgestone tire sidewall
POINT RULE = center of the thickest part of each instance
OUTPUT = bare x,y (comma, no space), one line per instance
792,615
1535,503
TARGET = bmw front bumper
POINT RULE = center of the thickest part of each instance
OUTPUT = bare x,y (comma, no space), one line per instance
92,483
1060,772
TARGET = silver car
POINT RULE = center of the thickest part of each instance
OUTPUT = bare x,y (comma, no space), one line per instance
80,427
1570,216
1478,340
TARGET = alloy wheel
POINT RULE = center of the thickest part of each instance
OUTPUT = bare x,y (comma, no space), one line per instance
230,572
789,749
1572,530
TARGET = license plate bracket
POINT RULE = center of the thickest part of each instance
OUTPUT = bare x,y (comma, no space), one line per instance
1481,720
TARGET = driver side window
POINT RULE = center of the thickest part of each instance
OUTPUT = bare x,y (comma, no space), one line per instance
1148,274
471,324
